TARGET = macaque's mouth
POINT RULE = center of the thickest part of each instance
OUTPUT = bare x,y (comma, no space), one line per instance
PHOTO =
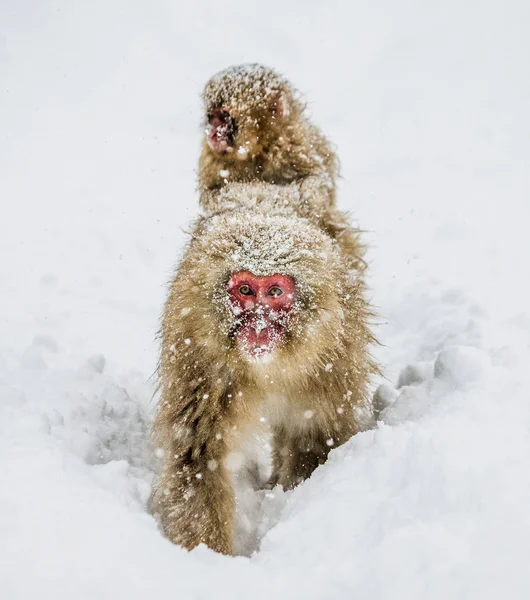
259,339
220,143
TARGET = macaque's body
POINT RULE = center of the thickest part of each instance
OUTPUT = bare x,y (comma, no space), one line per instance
256,131
264,327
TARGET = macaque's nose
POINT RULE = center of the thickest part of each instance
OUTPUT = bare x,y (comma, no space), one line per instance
261,297
260,325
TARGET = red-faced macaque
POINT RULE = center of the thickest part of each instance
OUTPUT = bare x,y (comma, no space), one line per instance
264,329
256,130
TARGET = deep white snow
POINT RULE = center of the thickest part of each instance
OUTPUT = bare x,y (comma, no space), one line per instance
428,104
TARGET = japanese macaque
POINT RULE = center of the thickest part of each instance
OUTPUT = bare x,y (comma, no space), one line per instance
256,130
264,330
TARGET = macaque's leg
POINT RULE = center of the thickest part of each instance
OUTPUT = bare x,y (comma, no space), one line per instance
295,457
195,498
280,450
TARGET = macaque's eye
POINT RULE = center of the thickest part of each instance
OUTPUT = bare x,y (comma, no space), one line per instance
275,291
246,290
219,115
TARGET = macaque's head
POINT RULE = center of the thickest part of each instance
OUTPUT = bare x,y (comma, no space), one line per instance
258,288
263,308
246,109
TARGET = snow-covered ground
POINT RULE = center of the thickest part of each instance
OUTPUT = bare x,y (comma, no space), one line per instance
428,104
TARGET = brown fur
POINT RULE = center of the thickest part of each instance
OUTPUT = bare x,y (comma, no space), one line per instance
313,394
282,149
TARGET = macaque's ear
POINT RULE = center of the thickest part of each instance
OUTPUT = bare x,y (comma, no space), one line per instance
280,106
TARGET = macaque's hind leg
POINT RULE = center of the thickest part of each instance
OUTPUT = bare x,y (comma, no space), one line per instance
251,475
295,457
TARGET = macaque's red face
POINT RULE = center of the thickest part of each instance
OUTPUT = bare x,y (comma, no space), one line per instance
237,134
263,307
221,130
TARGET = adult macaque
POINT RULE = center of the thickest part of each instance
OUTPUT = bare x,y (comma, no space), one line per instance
264,327
256,130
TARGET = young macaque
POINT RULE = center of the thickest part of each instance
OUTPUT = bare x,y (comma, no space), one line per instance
256,130
264,330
